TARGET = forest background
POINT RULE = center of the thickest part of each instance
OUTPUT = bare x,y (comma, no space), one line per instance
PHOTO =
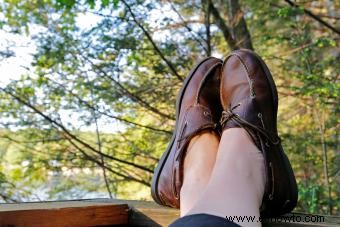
94,109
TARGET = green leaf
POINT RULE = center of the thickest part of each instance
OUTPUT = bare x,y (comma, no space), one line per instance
105,3
91,3
115,4
66,3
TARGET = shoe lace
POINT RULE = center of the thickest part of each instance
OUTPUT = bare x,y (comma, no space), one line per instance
228,115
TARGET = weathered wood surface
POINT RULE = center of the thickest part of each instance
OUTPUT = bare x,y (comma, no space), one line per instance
51,214
100,212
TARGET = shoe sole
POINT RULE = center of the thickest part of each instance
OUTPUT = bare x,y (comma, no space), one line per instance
162,161
292,200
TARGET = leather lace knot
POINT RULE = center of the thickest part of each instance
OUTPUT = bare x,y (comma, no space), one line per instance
228,114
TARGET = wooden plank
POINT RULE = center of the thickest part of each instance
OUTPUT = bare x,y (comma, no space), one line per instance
151,214
114,212
63,214
59,204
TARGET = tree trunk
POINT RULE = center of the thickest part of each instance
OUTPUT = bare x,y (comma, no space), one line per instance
325,160
207,11
236,33
238,25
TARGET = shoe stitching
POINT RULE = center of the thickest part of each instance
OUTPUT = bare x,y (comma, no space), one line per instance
250,80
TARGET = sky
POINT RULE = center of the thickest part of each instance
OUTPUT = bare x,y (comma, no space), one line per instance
11,68
24,47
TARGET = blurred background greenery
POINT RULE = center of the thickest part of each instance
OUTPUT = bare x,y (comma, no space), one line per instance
94,109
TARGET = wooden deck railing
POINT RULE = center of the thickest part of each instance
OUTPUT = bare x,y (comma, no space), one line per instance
108,212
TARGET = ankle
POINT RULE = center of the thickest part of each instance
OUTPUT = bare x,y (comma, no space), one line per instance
203,138
203,147
198,164
239,135
244,160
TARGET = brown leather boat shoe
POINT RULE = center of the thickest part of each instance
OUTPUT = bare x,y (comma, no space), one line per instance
198,108
250,100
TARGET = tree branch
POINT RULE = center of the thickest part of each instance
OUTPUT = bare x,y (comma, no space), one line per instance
238,25
91,107
315,17
70,135
99,142
220,22
35,152
207,12
90,158
128,93
187,27
6,198
158,51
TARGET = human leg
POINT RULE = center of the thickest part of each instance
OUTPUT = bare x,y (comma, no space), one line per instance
198,164
237,181
198,111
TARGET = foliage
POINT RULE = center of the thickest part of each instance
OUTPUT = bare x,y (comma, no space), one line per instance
124,71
